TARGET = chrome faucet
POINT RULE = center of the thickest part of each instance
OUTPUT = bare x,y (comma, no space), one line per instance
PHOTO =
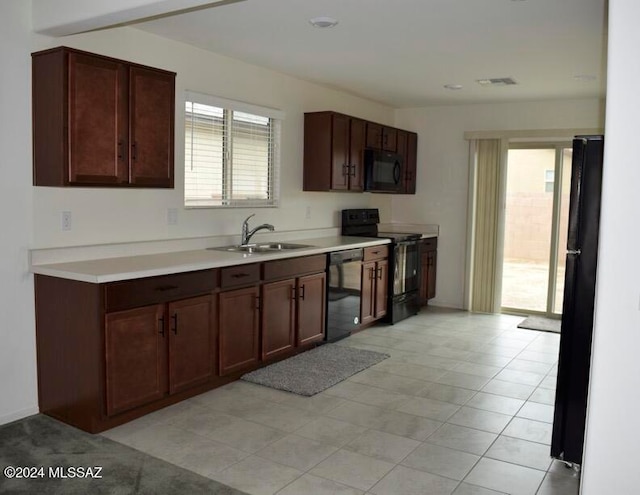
248,234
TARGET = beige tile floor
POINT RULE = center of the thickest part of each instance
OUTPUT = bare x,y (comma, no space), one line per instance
463,406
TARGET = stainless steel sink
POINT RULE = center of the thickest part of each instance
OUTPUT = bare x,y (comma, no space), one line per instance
267,247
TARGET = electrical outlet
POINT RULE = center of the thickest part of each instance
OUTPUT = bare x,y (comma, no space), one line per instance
172,216
66,220
307,213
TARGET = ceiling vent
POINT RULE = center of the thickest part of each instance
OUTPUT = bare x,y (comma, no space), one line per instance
497,81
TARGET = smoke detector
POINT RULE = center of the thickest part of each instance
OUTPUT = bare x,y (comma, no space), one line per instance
323,22
497,81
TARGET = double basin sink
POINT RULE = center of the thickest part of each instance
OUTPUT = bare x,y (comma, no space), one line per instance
267,247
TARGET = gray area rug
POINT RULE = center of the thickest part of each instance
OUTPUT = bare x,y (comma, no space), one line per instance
315,370
541,323
40,441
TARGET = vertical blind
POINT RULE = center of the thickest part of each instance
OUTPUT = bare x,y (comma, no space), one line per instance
231,153
485,291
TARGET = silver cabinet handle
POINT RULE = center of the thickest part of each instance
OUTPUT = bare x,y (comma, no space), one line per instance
576,252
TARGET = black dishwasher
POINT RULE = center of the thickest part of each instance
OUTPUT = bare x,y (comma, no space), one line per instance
344,286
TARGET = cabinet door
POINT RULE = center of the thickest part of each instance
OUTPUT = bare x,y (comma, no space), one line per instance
401,147
239,329
152,112
389,139
374,136
382,289
340,152
356,155
411,164
428,261
367,301
278,317
431,284
424,278
311,308
98,121
191,342
136,353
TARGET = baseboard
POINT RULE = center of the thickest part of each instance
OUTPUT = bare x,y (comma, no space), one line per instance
443,304
14,416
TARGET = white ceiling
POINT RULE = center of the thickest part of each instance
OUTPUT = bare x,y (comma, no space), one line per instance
402,52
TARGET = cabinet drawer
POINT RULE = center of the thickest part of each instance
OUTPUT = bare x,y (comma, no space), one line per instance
376,253
294,267
430,244
236,276
154,290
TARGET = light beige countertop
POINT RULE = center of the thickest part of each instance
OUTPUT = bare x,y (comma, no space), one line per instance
131,267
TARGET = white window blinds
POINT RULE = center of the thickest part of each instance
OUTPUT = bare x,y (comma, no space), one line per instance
231,153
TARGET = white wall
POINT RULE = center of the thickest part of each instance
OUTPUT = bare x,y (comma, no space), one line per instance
443,169
613,433
18,395
116,215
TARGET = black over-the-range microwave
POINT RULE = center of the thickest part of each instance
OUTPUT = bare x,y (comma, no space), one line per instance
383,171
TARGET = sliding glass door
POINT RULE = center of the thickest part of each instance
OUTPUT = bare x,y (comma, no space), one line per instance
535,228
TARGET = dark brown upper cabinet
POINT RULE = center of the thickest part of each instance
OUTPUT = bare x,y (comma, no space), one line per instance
333,152
334,146
410,163
374,136
99,121
381,137
389,138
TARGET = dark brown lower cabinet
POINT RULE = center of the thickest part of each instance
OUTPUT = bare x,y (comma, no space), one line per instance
192,342
239,329
428,264
292,314
159,349
375,273
109,353
311,308
293,304
374,290
136,358
278,317
382,288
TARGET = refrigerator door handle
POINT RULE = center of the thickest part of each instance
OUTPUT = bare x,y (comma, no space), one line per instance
576,252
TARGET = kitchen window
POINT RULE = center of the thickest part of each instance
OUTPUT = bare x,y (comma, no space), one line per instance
232,153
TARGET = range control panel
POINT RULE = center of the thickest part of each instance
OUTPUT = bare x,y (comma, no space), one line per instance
360,216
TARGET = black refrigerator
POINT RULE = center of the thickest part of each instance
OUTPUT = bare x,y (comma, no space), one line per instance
579,293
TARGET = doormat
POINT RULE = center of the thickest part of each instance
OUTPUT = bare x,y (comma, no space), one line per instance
316,370
541,323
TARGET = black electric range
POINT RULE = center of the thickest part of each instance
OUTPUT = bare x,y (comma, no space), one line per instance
404,279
